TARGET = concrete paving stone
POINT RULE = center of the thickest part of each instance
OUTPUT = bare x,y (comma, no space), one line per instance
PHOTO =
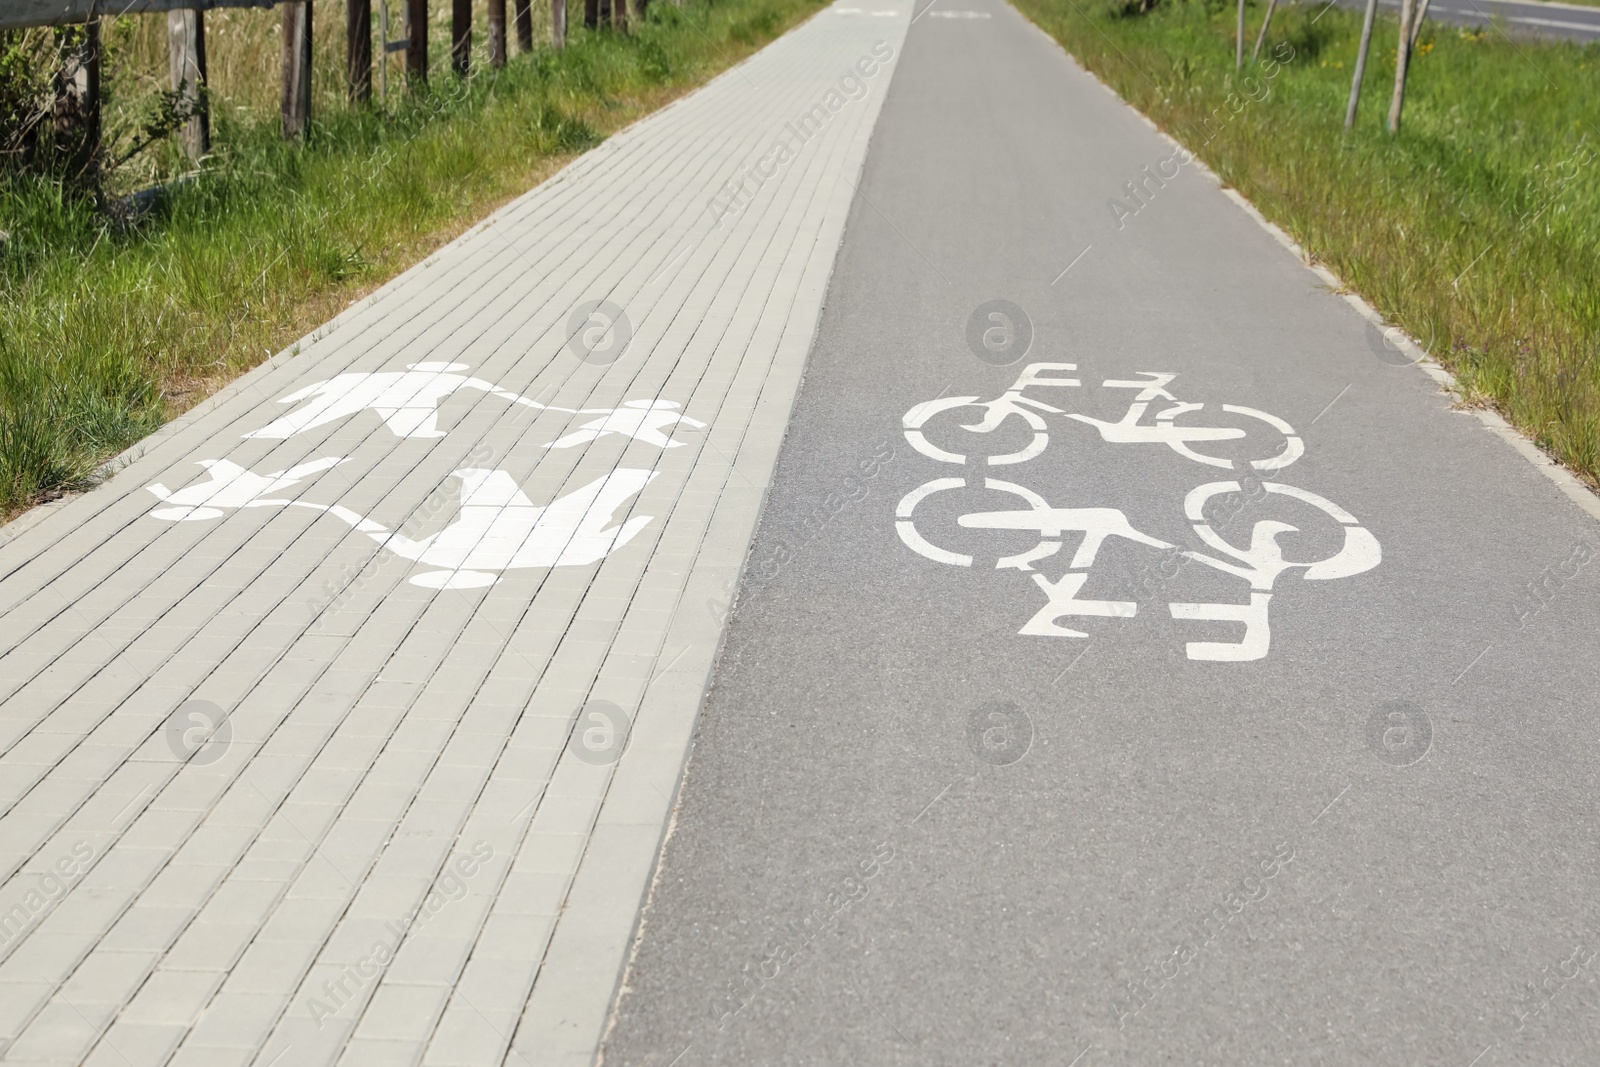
108,977
421,735
513,935
238,1020
211,1056
402,1012
390,898
425,960
90,911
146,927
185,885
126,1044
322,881
377,1052
469,1037
296,738
242,809
412,852
269,965
304,919
163,830
46,954
435,817
252,869
535,892
213,942
201,788
19,1001
457,916
41,750
172,997
455,782
50,799
61,1030
497,985
401,765
356,938
312,820
314,1042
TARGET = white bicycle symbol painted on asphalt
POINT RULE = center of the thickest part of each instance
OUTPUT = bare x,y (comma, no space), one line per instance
1260,563
1130,429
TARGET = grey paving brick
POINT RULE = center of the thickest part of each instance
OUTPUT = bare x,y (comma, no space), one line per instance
175,997
127,1044
403,1012
61,1031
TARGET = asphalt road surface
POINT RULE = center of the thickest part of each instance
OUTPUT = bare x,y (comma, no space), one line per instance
1564,21
1313,784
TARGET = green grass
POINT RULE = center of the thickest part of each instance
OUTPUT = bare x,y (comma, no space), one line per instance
1476,229
106,332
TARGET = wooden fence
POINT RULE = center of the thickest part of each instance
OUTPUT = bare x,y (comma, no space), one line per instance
79,82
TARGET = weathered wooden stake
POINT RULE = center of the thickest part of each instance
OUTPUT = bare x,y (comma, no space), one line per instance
77,104
461,36
1238,49
558,24
497,33
1361,64
1262,36
296,67
591,14
1416,23
358,48
186,54
1402,60
619,15
524,19
417,54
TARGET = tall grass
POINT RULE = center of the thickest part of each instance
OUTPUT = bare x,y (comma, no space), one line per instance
107,331
1476,229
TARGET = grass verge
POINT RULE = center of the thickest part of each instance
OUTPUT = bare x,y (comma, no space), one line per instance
1476,229
108,331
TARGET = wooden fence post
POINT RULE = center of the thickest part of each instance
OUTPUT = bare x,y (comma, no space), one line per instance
497,33
591,14
358,48
461,36
558,24
524,20
619,15
296,67
417,54
77,104
186,54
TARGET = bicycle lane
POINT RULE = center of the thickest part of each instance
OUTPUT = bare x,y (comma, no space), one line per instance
1313,782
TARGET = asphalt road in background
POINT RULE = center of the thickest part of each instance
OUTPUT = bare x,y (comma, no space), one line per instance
1563,21
910,834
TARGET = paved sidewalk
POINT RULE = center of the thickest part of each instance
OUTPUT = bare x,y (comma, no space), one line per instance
343,725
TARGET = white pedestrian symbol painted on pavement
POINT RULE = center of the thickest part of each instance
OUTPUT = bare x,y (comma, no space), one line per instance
407,401
1260,564
497,529
642,420
229,486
